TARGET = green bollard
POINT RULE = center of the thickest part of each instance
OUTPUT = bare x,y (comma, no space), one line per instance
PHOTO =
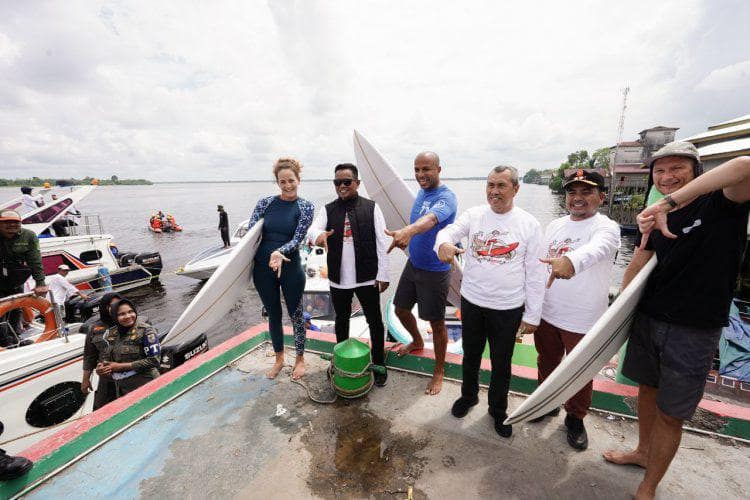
351,368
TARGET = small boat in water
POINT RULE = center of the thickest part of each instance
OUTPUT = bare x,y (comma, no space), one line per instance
203,265
158,223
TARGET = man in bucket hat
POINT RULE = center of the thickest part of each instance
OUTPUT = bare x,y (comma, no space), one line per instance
19,258
698,232
580,251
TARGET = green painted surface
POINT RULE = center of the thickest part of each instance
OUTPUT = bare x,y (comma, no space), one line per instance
619,377
523,355
96,435
93,437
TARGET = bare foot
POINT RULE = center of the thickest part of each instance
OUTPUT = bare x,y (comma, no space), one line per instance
403,350
435,385
274,371
299,368
634,457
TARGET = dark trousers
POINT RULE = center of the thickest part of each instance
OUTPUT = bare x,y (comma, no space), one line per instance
106,392
225,235
270,288
479,326
369,298
552,344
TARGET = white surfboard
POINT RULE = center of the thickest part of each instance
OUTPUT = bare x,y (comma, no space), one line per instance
598,346
386,188
220,293
43,217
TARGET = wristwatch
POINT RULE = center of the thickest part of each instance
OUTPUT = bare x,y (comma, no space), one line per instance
670,201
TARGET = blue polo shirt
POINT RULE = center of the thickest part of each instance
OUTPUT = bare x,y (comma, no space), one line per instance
442,202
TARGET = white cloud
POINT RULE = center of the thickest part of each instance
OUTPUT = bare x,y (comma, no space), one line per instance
729,78
193,90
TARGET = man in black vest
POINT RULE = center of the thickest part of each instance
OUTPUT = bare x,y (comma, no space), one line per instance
352,229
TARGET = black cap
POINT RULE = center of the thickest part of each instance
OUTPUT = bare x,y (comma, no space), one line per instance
585,176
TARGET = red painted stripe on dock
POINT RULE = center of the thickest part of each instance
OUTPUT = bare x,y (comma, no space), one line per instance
55,441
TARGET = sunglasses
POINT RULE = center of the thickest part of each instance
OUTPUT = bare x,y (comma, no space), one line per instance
345,182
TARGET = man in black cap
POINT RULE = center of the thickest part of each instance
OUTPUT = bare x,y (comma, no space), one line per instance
580,249
224,226
698,232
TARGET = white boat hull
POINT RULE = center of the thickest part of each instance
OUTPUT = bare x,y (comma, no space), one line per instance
26,373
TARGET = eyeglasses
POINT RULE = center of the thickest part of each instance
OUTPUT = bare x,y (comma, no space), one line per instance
345,182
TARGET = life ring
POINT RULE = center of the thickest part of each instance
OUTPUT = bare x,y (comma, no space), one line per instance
37,303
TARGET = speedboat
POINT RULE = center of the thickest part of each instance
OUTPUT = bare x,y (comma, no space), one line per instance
94,265
41,370
203,265
42,219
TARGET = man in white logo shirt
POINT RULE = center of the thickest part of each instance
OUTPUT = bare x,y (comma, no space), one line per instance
501,291
580,248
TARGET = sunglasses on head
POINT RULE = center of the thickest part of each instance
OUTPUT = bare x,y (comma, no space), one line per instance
345,182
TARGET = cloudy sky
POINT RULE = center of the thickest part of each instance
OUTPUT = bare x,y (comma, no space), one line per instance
216,90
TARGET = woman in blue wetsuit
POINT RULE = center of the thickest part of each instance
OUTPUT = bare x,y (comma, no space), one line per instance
278,267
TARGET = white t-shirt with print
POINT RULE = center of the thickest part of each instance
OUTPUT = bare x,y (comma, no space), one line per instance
501,263
591,245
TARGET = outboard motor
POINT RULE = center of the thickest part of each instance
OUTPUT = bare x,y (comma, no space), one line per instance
151,261
126,259
173,356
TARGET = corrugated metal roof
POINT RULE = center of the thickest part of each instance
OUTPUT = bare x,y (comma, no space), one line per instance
658,127
630,169
730,122
743,128
725,147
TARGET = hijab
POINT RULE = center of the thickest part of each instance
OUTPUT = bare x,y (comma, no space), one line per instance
105,315
113,313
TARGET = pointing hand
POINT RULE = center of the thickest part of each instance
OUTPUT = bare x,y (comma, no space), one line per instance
322,239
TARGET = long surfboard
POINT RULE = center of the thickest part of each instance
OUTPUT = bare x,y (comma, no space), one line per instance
386,188
220,293
598,346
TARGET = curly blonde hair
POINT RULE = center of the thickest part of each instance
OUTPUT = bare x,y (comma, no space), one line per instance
290,163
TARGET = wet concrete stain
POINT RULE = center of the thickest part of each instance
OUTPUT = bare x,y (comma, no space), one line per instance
355,454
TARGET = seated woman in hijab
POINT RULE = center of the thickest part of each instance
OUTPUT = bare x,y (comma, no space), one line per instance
133,350
95,348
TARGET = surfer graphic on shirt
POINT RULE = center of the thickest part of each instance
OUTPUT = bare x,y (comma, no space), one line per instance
347,229
557,248
494,248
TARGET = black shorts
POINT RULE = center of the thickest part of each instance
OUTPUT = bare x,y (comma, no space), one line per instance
427,289
674,358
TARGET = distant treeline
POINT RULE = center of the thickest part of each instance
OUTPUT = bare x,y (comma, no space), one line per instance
38,182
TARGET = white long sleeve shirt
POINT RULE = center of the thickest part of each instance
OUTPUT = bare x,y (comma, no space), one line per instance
591,245
60,288
501,264
348,271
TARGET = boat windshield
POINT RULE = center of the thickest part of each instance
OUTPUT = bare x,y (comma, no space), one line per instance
317,304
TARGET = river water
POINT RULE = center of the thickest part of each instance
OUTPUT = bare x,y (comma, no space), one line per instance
125,210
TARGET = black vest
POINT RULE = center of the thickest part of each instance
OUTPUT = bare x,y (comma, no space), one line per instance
361,213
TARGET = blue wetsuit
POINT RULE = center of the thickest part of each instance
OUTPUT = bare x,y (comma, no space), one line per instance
285,225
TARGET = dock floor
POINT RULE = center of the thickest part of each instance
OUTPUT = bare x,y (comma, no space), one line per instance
240,435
